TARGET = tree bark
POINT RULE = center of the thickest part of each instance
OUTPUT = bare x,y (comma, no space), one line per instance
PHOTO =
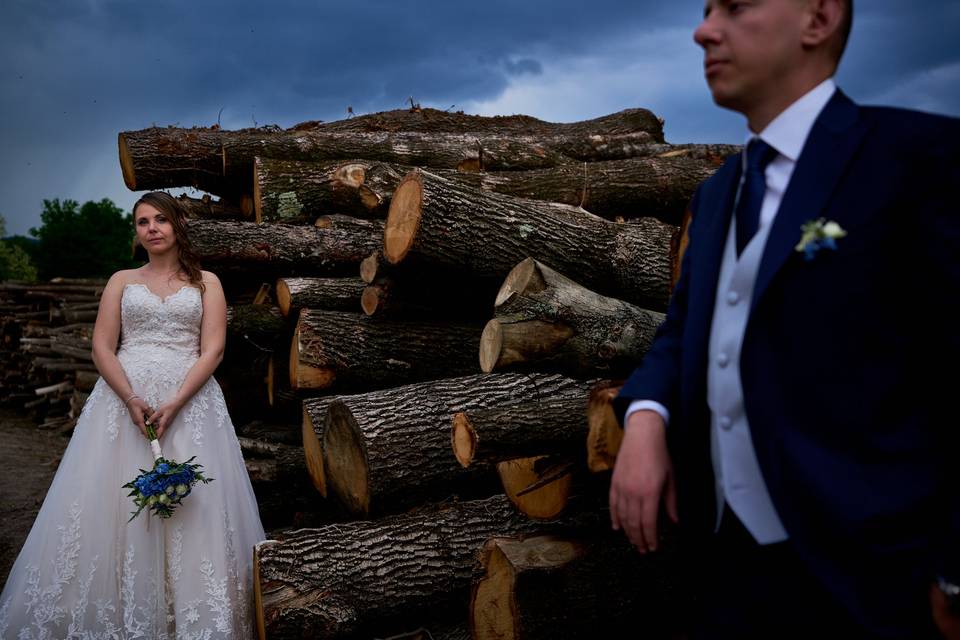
391,448
292,191
261,325
329,294
659,184
245,244
535,428
278,475
161,157
436,121
545,587
605,432
442,222
429,294
361,579
351,351
548,321
207,207
221,162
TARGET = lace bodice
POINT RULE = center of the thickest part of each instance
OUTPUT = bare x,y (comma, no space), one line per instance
159,339
150,322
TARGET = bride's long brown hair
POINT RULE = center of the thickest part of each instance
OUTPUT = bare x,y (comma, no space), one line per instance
177,215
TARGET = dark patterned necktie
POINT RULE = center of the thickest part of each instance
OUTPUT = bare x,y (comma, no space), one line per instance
759,155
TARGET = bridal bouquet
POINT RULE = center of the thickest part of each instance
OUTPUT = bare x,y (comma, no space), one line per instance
166,485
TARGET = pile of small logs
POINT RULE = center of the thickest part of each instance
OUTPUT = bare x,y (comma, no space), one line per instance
437,299
47,328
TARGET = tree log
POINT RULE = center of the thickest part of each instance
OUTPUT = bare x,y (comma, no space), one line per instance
391,448
605,432
226,243
330,294
291,192
658,185
431,294
547,320
86,380
545,587
436,121
442,222
207,207
550,426
278,474
351,351
220,162
261,325
361,579
538,486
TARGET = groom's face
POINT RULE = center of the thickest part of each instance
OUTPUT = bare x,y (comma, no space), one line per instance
748,47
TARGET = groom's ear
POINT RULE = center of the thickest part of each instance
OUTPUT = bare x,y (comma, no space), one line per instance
827,26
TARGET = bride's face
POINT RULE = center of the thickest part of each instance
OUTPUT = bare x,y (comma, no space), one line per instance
154,230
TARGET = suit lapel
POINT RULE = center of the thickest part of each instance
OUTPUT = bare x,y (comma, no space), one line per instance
714,214
834,138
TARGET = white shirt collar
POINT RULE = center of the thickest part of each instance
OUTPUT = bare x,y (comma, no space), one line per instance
788,132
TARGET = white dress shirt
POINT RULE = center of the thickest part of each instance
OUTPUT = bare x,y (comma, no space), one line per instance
737,474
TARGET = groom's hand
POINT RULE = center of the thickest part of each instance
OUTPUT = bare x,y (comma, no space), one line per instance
643,474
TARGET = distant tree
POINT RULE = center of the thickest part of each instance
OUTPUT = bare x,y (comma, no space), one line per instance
15,262
92,241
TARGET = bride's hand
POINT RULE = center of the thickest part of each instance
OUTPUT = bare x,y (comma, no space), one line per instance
139,410
163,416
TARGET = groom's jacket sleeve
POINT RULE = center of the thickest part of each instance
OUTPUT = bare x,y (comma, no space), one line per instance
939,206
658,375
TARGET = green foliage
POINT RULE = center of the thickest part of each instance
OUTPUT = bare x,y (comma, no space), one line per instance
90,241
15,262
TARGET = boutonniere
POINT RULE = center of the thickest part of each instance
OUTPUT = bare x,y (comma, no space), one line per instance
818,234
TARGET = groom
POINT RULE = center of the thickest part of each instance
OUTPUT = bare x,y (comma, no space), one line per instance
788,415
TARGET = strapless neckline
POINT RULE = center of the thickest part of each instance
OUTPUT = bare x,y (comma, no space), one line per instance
162,299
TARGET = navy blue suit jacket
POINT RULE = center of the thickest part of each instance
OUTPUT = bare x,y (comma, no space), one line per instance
848,362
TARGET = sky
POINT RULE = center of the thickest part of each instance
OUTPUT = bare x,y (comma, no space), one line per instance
73,74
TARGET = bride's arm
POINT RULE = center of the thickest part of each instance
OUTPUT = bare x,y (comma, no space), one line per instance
106,333
213,336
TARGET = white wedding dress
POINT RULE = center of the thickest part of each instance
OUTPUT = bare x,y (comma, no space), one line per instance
84,572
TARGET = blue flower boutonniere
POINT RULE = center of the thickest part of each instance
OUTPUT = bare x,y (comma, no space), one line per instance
818,234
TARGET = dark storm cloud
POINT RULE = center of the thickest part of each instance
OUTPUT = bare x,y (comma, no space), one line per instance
74,74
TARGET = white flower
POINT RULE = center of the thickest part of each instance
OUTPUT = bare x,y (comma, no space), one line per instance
833,230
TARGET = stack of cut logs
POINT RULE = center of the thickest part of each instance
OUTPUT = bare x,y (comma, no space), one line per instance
47,367
445,295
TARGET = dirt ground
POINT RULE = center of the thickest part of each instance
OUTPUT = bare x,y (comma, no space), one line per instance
28,460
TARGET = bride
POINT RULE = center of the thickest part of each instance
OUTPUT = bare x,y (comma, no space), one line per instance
84,572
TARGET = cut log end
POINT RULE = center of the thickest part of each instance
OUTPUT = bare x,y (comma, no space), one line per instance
304,376
605,435
257,202
493,609
464,439
351,175
269,379
369,267
345,460
313,452
523,277
544,503
491,344
403,220
126,163
370,299
284,298
258,595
